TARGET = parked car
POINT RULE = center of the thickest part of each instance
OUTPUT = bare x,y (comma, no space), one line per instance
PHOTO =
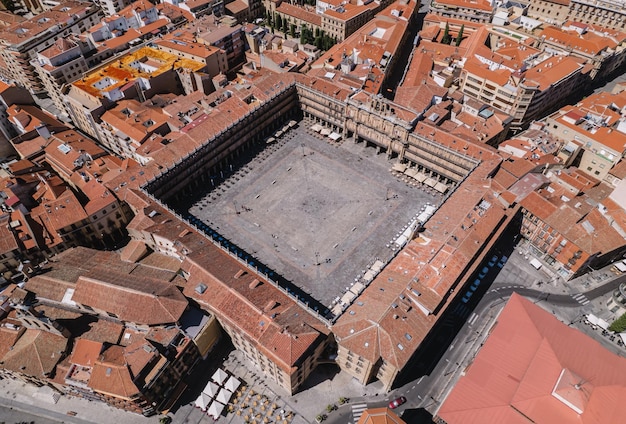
397,402
475,284
502,261
466,297
483,273
493,261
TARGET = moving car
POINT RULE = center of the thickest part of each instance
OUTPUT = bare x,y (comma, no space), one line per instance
397,402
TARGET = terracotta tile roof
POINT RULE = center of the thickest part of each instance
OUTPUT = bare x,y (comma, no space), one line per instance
111,375
466,4
379,416
393,315
66,150
46,287
299,13
133,251
86,352
366,48
183,41
104,332
8,241
138,355
139,300
553,70
59,46
588,43
283,332
57,214
35,353
9,336
135,120
529,369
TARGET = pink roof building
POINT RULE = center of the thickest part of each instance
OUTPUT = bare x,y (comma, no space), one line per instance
534,368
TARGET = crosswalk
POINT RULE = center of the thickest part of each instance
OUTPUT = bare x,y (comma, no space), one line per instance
580,298
357,410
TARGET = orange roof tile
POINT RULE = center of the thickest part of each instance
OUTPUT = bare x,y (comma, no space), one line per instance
86,352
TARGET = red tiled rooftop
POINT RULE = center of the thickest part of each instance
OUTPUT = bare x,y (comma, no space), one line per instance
519,374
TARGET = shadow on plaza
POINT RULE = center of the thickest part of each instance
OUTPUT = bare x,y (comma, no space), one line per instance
202,372
322,372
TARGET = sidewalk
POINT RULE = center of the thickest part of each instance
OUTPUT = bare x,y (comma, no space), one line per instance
25,397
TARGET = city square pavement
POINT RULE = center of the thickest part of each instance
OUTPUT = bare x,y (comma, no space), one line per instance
317,212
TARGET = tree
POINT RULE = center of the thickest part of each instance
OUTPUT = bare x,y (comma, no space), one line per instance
303,30
619,325
317,32
459,37
279,22
446,39
292,31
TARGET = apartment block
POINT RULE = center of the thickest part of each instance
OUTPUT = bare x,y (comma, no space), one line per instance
609,14
223,33
182,43
129,124
594,131
562,225
20,42
523,85
473,11
365,58
600,48
199,8
111,7
137,75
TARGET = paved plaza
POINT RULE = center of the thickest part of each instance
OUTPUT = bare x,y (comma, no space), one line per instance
316,211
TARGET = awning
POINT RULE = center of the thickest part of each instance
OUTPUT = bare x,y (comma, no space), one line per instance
220,376
597,321
441,187
369,275
430,182
232,383
348,297
325,131
410,172
420,177
400,167
334,136
316,128
211,389
224,396
203,401
215,409
378,265
357,287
